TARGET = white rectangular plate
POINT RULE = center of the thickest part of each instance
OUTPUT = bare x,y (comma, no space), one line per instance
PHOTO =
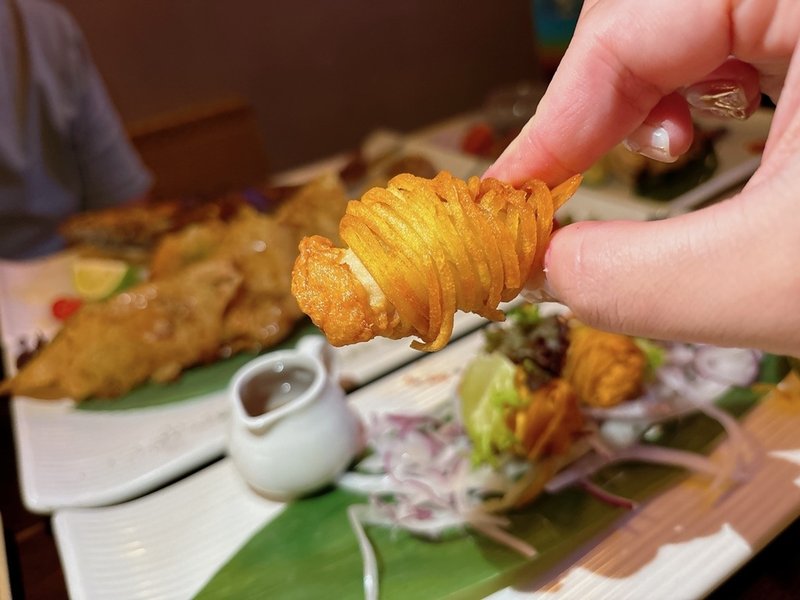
170,543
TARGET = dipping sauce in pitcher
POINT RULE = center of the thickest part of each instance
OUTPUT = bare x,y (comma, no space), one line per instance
273,388
291,430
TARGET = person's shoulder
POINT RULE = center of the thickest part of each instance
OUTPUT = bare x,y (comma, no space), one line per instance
56,47
49,20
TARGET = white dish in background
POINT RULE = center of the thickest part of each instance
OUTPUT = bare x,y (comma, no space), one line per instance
378,150
169,544
71,458
616,200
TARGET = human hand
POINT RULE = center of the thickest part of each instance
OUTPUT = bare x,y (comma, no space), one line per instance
727,274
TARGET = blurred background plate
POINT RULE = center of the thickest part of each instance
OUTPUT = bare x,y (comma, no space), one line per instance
737,146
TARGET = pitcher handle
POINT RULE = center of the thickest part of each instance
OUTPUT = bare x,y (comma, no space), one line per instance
318,347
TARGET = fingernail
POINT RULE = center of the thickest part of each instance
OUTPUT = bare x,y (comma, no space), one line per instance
539,294
652,142
538,288
719,98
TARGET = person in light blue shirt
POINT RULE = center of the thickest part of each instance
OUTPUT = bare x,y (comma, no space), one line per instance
63,148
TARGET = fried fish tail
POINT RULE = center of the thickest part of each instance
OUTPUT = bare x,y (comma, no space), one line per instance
421,249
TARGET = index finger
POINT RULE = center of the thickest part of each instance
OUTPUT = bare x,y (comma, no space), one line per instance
624,58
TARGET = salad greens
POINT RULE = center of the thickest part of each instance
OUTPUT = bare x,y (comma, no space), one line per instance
537,343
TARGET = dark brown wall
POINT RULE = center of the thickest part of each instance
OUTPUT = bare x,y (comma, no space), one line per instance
320,73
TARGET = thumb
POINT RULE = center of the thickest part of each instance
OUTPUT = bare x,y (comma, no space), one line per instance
711,276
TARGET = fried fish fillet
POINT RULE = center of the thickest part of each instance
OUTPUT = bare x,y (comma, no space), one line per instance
263,311
315,209
141,224
217,286
149,332
262,248
421,249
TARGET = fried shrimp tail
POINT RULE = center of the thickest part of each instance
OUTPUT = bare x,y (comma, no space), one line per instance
421,249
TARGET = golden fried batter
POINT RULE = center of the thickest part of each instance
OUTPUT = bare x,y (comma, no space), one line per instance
262,248
141,224
421,249
352,306
151,331
217,286
263,312
604,368
315,209
550,420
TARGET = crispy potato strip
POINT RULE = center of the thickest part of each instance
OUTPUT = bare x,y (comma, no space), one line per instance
422,249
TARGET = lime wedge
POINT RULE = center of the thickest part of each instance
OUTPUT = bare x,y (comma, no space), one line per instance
485,375
486,391
99,278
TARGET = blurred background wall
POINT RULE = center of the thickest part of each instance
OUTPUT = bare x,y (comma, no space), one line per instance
320,73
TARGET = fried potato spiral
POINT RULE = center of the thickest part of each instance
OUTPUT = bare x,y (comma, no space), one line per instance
421,249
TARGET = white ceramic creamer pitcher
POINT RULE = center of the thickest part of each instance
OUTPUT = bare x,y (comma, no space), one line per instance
291,430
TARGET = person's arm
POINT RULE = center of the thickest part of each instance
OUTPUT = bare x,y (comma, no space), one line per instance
727,274
111,170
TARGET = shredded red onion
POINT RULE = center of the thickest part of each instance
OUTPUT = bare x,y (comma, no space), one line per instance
744,453
500,535
691,378
606,496
591,463
426,484
710,373
730,366
690,375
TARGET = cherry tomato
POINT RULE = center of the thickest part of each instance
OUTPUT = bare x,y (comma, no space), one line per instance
62,308
478,140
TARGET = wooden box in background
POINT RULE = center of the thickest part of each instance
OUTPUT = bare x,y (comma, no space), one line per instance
203,150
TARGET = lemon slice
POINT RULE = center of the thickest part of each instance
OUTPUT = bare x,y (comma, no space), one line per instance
99,278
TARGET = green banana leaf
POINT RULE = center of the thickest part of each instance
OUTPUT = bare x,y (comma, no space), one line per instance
194,382
310,552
